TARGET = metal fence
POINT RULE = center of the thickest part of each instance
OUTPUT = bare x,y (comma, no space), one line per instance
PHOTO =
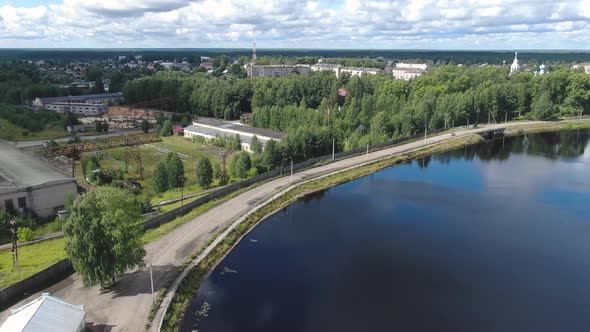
35,283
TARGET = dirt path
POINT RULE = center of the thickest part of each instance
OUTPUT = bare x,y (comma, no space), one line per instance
126,307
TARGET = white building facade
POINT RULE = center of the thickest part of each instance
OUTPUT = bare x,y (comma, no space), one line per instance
408,70
515,66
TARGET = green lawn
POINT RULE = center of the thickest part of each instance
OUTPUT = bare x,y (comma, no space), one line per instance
32,259
11,132
153,153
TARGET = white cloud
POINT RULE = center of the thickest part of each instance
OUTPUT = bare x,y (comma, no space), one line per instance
300,23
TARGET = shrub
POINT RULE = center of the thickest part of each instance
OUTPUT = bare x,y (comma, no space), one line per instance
25,234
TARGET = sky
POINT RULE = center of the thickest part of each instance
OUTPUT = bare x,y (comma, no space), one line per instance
337,24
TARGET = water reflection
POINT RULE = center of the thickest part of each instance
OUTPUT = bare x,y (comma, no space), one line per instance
492,237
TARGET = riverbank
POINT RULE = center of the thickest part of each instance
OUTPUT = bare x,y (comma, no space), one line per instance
196,275
199,272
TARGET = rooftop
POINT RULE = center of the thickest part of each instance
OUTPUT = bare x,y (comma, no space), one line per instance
82,97
237,126
46,313
18,169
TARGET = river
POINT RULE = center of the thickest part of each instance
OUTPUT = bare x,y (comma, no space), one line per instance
491,237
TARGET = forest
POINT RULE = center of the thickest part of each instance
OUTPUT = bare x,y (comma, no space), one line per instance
313,110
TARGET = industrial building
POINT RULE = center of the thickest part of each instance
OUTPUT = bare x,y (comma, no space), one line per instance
78,108
95,99
27,184
48,314
210,128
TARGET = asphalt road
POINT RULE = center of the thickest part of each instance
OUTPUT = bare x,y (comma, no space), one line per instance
126,307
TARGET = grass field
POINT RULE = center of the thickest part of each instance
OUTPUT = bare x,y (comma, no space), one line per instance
153,153
11,132
32,259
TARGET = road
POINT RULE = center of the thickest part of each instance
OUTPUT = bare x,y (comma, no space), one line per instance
126,307
113,133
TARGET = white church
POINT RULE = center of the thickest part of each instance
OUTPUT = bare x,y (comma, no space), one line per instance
516,67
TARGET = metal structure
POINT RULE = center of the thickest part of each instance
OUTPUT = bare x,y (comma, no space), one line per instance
74,151
14,235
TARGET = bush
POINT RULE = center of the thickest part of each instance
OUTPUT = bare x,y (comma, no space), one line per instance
25,234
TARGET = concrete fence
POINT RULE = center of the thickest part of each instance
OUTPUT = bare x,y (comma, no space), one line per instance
64,268
35,283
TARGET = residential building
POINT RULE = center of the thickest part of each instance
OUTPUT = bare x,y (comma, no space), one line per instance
584,66
210,128
339,69
28,184
47,314
276,70
409,70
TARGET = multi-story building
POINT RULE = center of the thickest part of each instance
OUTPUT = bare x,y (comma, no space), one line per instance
276,70
96,99
584,66
77,108
408,70
339,69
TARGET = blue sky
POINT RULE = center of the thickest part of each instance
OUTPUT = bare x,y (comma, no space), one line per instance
376,24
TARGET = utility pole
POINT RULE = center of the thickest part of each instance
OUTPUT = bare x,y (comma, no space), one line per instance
291,169
152,283
14,233
425,132
333,145
367,155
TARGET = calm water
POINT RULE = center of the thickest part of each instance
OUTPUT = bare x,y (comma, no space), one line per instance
493,237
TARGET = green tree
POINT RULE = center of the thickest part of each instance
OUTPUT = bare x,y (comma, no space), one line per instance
271,156
25,234
236,143
204,172
98,126
166,129
255,145
145,125
103,235
160,178
543,108
175,170
241,164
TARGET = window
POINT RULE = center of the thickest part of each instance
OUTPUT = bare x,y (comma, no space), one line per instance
22,202
9,205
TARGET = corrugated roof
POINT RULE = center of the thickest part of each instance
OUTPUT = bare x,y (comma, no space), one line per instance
82,98
48,314
240,127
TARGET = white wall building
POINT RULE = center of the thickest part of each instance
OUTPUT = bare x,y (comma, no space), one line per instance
275,70
409,70
210,128
515,66
339,69
77,108
48,314
584,66
27,184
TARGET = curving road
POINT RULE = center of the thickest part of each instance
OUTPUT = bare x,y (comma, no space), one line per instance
126,307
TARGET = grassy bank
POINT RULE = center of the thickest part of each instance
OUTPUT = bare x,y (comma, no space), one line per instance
32,259
544,127
194,278
12,132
